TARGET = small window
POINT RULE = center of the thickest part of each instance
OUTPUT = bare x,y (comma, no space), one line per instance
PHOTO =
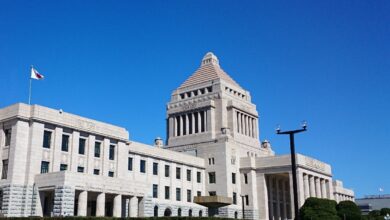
111,154
212,193
247,200
44,167
178,173
188,175
155,191
63,167
167,192
96,171
189,94
166,170
4,171
80,169
82,146
182,96
209,89
198,177
46,139
110,174
233,178
198,193
130,163
212,177
195,92
65,143
200,213
97,149
155,168
179,212
202,91
155,212
178,194
7,134
246,178
142,166
190,213
234,198
213,160
189,195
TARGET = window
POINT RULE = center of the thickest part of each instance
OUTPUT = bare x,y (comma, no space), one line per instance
212,159
155,168
46,139
189,195
97,148
198,193
142,168
166,170
179,212
212,193
110,174
44,167
81,146
190,213
198,178
80,169
4,171
178,173
212,177
234,198
246,178
188,175
155,211
233,178
200,213
7,134
167,192
96,171
130,163
155,191
65,143
247,199
178,194
111,154
63,167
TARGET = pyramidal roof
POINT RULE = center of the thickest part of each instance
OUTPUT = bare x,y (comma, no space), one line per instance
209,70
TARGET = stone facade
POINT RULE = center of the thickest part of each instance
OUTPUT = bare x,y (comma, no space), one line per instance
58,164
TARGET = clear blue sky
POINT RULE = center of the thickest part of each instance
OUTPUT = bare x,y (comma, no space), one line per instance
118,61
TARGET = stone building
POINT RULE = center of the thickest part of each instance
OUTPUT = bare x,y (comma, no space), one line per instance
57,163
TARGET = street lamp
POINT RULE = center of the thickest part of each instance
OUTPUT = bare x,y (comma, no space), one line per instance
243,205
293,163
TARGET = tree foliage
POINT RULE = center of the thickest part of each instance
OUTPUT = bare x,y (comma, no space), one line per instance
319,209
385,211
349,210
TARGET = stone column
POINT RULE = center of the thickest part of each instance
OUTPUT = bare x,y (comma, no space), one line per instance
82,205
318,187
171,126
181,125
100,204
329,189
323,189
271,197
199,123
277,199
134,206
312,189
117,211
242,123
187,118
193,122
249,126
306,186
238,122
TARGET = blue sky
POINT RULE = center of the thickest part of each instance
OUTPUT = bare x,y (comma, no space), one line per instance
327,62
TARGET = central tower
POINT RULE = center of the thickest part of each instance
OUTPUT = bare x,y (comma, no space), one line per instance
211,116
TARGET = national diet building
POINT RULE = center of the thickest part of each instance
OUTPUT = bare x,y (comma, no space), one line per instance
213,163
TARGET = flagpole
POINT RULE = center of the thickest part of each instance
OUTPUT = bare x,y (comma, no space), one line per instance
29,91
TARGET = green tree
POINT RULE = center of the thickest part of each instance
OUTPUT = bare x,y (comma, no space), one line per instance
318,209
385,211
374,213
348,210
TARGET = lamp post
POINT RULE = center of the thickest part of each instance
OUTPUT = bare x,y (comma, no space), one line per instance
293,163
243,206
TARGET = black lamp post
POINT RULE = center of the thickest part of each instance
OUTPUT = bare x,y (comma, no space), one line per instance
293,164
243,206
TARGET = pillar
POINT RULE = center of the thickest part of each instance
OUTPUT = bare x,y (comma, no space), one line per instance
82,205
323,189
312,189
117,211
100,204
271,197
238,122
318,187
242,123
134,206
181,125
199,123
284,214
187,118
306,186
277,199
193,122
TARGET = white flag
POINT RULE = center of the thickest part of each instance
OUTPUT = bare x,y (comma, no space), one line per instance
35,74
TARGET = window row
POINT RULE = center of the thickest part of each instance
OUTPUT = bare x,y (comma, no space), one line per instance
190,123
197,92
168,212
234,92
47,142
155,170
246,124
7,136
167,192
63,167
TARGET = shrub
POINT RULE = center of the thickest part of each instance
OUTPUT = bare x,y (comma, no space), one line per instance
348,209
385,211
318,209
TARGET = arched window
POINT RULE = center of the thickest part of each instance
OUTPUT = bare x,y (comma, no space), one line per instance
190,212
179,212
235,215
200,213
156,211
167,212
